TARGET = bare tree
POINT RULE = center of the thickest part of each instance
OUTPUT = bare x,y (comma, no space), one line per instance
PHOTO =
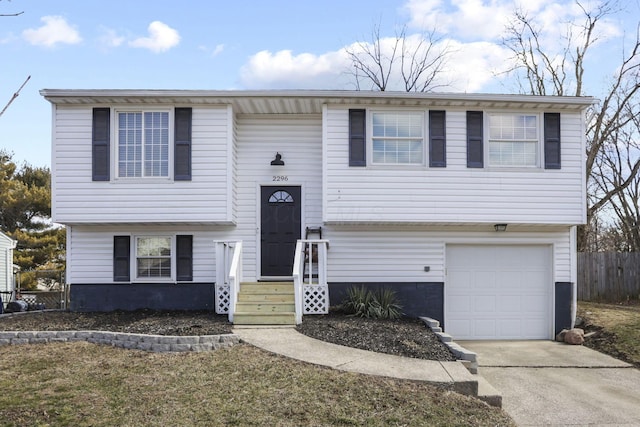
11,14
611,129
412,63
15,95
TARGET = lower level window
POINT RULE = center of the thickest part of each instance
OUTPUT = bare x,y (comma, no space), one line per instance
153,257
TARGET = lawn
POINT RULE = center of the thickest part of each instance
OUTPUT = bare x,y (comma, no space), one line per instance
82,384
618,329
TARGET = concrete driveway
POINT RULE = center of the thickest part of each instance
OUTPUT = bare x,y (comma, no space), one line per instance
547,383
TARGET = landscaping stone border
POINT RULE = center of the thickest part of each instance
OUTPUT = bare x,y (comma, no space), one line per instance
468,358
153,343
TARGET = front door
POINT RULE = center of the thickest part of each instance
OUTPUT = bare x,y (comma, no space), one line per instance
280,229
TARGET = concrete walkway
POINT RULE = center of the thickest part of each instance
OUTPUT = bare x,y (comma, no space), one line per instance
547,383
290,343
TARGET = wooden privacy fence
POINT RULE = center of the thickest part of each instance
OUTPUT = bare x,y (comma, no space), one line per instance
608,276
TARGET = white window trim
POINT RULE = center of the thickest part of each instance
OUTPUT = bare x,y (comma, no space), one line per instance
403,166
134,259
115,147
539,144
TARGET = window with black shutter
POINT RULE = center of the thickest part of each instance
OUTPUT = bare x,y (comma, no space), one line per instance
475,148
184,258
182,144
552,141
437,139
100,145
357,138
121,258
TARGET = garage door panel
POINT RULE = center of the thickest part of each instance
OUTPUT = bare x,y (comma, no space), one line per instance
485,304
498,291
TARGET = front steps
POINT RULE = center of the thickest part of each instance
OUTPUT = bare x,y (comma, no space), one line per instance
265,303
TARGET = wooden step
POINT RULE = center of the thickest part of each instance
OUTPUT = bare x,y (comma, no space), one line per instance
289,298
265,303
267,287
240,318
265,307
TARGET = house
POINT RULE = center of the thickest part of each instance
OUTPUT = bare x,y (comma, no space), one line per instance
7,245
465,204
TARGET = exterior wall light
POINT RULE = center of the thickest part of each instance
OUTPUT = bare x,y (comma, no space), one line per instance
500,227
278,160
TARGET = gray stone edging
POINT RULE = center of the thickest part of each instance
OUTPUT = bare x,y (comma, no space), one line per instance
154,343
469,358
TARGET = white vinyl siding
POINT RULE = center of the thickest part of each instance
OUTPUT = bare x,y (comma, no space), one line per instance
6,263
205,199
401,253
455,194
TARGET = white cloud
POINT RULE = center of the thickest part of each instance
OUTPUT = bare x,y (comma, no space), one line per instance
463,19
55,30
284,70
161,38
111,38
218,50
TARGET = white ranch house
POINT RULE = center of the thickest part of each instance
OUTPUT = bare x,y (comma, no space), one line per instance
465,204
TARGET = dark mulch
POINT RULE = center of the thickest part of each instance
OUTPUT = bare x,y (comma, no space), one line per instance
404,337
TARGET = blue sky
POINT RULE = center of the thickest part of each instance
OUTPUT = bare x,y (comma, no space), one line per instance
243,44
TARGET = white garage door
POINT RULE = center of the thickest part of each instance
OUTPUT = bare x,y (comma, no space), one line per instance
498,292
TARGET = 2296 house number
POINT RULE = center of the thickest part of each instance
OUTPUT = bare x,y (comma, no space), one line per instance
279,178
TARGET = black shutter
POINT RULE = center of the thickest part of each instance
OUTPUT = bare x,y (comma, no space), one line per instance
184,258
552,140
437,139
121,258
100,151
182,145
475,149
357,138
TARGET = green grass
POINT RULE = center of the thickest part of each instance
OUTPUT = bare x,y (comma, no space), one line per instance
82,384
621,324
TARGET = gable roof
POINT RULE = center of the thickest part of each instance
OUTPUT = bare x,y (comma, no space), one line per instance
311,101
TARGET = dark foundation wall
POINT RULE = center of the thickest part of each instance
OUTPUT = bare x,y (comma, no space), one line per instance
155,296
417,299
564,299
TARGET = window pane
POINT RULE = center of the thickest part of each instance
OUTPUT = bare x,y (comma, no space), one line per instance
513,140
397,138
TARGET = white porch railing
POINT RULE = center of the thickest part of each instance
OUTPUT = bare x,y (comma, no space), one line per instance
310,278
228,276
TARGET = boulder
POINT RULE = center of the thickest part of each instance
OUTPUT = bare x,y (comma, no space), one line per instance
561,334
574,336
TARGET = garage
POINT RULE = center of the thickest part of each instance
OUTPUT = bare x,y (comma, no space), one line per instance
498,292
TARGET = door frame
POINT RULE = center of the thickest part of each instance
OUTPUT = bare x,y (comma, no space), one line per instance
258,240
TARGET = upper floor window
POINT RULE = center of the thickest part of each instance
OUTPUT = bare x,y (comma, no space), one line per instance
143,144
513,140
397,138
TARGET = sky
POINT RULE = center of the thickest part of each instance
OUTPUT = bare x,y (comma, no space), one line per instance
257,44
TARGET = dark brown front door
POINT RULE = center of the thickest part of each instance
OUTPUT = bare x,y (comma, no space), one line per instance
280,229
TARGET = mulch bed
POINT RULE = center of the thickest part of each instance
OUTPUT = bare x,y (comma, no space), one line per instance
405,337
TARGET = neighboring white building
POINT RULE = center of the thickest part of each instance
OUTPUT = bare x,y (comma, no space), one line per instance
7,245
411,190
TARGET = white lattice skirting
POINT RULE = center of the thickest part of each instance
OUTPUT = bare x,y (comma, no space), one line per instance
316,299
223,298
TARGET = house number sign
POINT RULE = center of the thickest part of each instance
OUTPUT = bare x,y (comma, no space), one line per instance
279,178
